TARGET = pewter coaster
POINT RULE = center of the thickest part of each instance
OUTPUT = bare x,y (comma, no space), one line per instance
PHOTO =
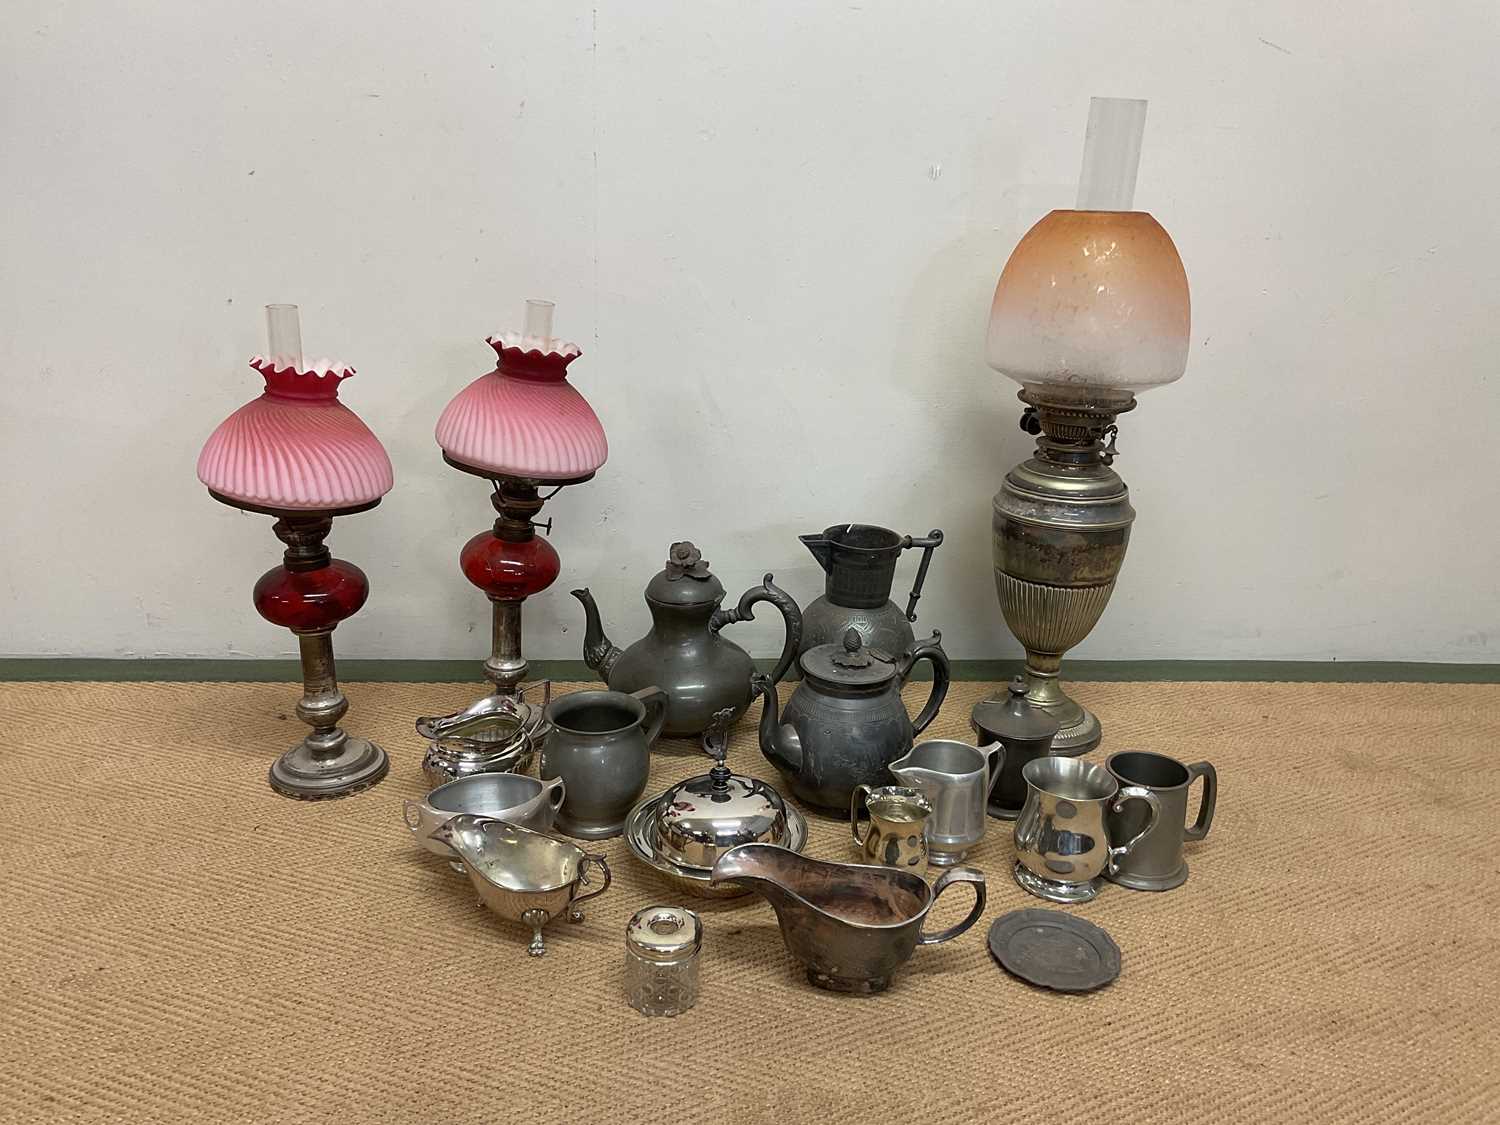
1054,950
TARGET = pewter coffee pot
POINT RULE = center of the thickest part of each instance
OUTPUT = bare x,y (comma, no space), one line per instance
683,654
846,722
860,562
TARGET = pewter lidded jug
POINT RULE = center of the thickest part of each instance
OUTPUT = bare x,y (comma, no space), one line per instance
683,654
859,560
846,722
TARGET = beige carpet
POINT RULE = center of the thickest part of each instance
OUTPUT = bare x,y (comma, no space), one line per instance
178,942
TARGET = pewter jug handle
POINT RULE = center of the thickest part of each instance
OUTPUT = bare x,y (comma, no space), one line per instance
767,591
858,803
994,761
1133,793
933,541
597,861
654,698
969,875
1210,778
411,812
930,650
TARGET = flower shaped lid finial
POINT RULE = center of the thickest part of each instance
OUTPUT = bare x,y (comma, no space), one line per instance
685,561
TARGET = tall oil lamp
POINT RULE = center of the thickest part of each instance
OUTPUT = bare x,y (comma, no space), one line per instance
300,455
524,428
1090,311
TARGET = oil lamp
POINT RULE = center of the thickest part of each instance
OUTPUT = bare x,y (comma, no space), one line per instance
524,428
300,455
1090,310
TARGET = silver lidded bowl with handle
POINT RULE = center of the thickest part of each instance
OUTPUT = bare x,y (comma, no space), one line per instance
521,875
684,831
513,797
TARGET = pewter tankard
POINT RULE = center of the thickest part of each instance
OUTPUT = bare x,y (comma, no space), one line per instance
1156,864
1062,840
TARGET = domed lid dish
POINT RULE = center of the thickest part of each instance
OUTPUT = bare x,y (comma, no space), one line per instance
848,663
1015,718
664,933
685,580
699,819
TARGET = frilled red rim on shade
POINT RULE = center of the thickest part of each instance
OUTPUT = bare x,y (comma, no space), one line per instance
296,447
524,419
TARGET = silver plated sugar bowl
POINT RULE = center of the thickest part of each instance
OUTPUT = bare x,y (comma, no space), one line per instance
662,944
498,734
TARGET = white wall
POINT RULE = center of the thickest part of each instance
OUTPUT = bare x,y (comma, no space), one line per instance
774,229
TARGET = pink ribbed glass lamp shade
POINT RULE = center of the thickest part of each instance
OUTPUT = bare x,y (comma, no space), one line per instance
524,419
296,447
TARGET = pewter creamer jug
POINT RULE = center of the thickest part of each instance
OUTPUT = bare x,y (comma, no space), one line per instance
846,722
683,654
859,560
956,779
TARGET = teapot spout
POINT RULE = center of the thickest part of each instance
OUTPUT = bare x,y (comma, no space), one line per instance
599,652
778,741
822,550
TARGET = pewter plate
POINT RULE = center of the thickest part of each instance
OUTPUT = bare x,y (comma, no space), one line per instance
694,880
1054,950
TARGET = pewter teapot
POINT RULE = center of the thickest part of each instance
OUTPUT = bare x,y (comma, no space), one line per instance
701,672
846,722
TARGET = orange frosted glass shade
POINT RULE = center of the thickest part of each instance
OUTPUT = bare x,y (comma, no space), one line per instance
1092,299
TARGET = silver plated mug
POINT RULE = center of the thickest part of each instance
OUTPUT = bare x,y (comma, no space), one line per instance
1156,863
1063,846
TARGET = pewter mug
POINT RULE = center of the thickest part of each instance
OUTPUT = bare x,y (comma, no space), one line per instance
897,834
956,779
850,925
1156,863
600,746
1062,839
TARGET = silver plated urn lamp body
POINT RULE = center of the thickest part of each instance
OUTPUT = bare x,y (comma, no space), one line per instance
1091,309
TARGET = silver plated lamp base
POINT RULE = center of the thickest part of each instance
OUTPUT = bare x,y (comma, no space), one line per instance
1053,890
358,765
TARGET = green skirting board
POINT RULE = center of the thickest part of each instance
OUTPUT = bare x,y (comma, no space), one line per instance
34,669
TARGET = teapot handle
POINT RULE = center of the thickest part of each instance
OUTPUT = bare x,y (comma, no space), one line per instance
933,541
930,650
767,591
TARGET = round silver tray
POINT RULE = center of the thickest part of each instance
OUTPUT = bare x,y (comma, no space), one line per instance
694,880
